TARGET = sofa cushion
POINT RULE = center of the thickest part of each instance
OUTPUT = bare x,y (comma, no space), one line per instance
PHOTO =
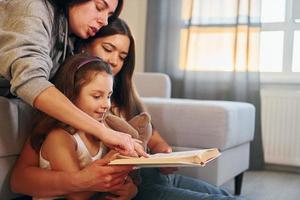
147,84
16,118
6,164
202,124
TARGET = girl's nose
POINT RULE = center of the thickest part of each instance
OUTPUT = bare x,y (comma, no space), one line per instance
106,104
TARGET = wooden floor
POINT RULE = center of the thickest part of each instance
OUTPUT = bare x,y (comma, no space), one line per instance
269,185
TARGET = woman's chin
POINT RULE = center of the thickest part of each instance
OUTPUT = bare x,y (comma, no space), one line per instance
83,35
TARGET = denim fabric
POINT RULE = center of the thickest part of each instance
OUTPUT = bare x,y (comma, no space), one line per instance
156,186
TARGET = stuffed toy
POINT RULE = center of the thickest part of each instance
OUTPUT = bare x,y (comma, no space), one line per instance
139,127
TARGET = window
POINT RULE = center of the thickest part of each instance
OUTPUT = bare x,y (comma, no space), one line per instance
280,36
219,35
276,52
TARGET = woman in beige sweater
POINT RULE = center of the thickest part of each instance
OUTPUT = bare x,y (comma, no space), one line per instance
35,38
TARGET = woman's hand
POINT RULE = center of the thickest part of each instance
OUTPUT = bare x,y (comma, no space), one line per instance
163,147
124,144
126,192
98,176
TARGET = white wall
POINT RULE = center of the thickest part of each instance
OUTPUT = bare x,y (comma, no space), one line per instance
134,13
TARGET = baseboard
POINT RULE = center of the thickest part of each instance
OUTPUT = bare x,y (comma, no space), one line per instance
282,168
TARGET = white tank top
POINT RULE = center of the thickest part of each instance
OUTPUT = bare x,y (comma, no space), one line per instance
83,155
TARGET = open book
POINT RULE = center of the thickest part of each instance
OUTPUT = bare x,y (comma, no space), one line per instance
174,159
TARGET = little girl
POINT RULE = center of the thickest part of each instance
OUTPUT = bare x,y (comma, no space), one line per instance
87,81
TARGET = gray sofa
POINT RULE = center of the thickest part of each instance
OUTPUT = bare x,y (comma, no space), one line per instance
191,124
15,120
185,124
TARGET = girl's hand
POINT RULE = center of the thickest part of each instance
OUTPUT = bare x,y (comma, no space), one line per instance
139,149
126,192
123,143
98,176
164,148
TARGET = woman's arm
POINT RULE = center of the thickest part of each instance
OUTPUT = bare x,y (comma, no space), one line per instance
24,177
95,177
157,144
54,103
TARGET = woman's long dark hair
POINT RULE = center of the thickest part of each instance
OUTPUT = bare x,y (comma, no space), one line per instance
124,96
77,71
62,5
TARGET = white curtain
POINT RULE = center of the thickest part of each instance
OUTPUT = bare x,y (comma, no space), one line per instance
210,49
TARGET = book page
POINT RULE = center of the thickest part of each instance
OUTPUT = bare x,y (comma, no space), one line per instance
178,159
180,153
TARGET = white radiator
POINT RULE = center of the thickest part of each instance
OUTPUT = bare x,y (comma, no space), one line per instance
281,126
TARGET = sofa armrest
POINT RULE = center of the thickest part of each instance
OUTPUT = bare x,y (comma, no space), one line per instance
202,124
15,120
147,84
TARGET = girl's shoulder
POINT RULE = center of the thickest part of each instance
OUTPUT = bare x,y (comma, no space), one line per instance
58,146
59,133
59,137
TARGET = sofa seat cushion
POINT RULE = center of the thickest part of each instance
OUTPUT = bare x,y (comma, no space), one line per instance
16,119
220,124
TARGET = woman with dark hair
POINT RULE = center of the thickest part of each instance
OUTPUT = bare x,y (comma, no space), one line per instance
36,36
124,95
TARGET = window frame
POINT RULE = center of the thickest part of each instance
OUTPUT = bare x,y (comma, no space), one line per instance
288,26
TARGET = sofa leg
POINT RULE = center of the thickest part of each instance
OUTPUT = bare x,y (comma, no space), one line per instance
238,180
